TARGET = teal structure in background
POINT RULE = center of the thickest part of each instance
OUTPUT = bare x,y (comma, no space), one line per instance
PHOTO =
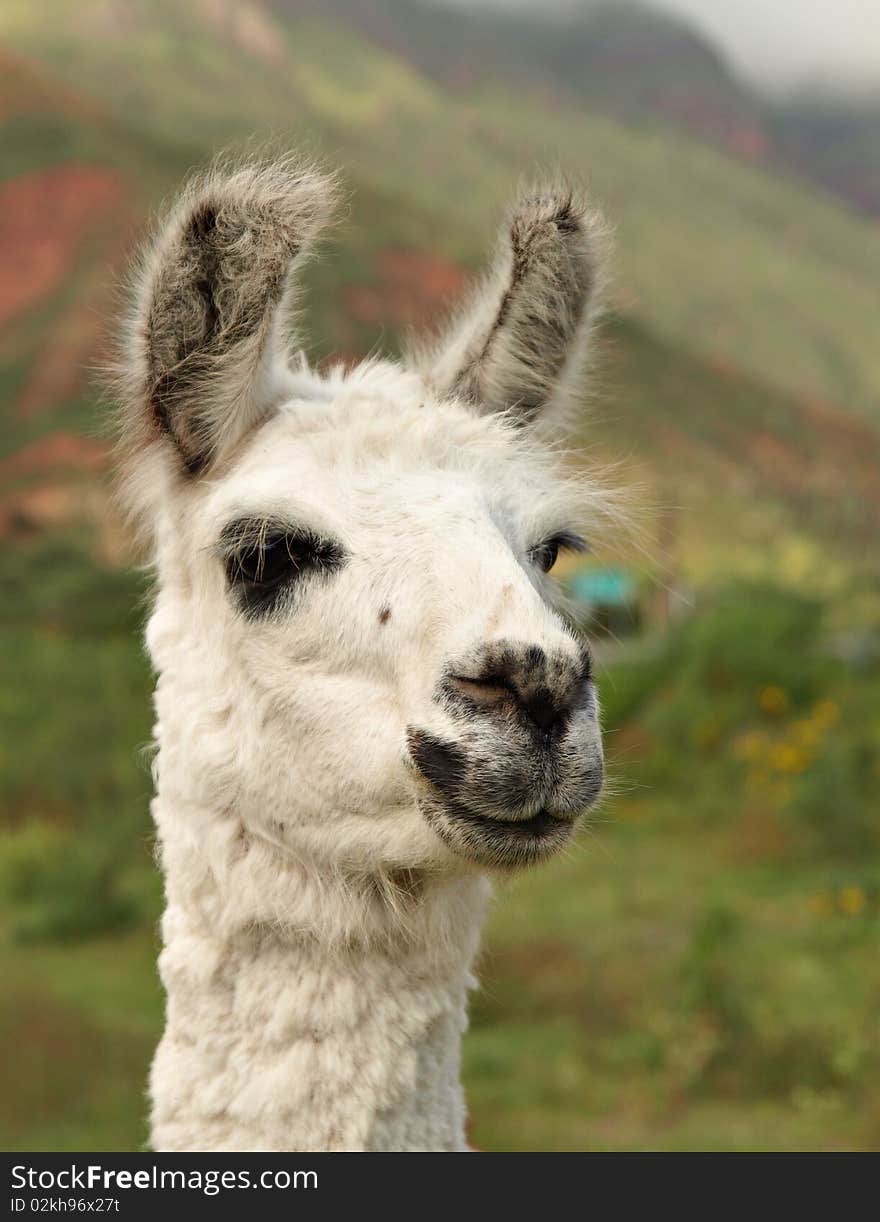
603,587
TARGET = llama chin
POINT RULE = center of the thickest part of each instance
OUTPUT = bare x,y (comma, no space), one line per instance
368,695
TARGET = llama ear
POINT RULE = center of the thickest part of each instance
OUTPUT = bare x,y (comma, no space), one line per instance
520,345
203,358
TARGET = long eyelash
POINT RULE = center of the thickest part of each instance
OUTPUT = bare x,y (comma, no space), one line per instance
247,533
567,540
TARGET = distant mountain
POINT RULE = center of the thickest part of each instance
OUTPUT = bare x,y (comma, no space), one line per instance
835,143
731,261
634,62
624,58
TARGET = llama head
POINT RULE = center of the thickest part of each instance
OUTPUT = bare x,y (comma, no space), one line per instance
360,655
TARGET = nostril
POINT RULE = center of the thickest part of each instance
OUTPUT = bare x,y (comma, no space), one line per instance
494,693
544,711
489,692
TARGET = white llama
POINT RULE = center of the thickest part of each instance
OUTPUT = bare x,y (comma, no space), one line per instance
366,699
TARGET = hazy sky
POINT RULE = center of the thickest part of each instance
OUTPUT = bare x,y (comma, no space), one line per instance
782,42
776,43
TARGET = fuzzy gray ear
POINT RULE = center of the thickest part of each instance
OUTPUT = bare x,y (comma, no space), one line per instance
521,343
203,356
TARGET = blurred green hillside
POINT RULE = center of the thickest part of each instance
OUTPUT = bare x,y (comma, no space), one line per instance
715,256
702,971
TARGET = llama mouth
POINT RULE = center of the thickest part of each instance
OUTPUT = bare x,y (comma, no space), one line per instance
500,842
457,783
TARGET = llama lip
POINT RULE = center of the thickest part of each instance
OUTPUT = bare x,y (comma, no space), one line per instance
528,827
500,842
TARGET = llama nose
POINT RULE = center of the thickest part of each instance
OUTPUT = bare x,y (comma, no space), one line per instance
525,681
544,711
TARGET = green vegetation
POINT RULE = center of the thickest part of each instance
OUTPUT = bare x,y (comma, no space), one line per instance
700,971
74,709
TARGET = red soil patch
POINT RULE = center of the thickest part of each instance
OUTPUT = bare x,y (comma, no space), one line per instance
848,430
69,350
58,451
780,463
73,220
51,483
825,458
57,485
45,217
411,288
835,455
46,507
749,142
49,476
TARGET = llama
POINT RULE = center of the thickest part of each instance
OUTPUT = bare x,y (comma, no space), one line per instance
368,700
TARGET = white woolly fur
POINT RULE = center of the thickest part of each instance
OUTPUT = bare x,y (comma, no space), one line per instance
319,934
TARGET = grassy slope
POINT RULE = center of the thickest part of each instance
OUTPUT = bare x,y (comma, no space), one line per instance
699,972
749,481
713,255
695,431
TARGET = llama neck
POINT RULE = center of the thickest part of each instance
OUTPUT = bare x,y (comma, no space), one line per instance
288,1029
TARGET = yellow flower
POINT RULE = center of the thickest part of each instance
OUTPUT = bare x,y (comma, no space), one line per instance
787,758
827,713
773,700
852,900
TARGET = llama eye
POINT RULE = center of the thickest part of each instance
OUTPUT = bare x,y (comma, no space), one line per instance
545,554
266,563
262,565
